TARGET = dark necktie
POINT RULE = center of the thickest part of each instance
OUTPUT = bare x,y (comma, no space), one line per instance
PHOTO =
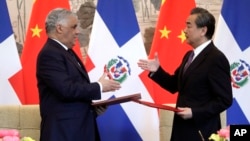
190,58
74,56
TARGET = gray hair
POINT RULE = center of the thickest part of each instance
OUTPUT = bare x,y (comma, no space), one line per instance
57,16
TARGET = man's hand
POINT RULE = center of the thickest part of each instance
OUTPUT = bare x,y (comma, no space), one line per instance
108,85
186,113
100,109
150,65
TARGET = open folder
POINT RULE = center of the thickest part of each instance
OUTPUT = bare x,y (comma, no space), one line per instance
135,98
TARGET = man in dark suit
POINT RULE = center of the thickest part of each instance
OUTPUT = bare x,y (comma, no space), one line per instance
65,90
204,86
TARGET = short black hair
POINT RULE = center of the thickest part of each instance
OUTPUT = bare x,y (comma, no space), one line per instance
204,18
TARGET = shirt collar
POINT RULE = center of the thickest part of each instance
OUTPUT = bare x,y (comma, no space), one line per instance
61,44
198,50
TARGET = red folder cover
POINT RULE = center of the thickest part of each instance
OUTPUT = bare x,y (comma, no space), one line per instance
136,98
118,100
158,106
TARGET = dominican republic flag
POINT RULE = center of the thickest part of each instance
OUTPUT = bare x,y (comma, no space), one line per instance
115,47
233,38
10,78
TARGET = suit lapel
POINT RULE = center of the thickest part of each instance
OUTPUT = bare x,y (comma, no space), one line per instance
199,59
80,67
70,58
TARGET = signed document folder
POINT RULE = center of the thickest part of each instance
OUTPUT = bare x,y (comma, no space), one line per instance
135,98
118,100
158,106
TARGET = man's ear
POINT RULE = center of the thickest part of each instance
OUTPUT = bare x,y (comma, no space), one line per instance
59,28
204,30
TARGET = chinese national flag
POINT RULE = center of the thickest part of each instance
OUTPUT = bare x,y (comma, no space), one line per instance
169,42
35,39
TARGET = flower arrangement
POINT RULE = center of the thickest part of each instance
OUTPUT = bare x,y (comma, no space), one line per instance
12,135
222,135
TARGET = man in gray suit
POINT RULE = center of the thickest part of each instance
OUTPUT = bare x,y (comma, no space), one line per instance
65,91
202,81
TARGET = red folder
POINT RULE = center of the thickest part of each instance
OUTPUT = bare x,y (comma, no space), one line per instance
118,100
158,106
136,98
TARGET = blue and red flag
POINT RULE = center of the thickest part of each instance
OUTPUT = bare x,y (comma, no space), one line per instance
232,37
11,83
115,47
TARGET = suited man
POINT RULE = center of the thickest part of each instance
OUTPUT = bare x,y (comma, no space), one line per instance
204,87
65,90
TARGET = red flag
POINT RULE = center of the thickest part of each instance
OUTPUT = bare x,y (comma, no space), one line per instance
11,84
35,39
169,42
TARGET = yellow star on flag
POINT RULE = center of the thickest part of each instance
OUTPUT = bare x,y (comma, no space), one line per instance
36,31
182,36
162,2
164,32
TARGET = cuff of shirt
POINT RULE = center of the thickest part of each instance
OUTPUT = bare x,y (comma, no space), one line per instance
100,86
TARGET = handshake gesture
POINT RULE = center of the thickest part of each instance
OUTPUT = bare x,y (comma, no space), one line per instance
151,65
107,84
